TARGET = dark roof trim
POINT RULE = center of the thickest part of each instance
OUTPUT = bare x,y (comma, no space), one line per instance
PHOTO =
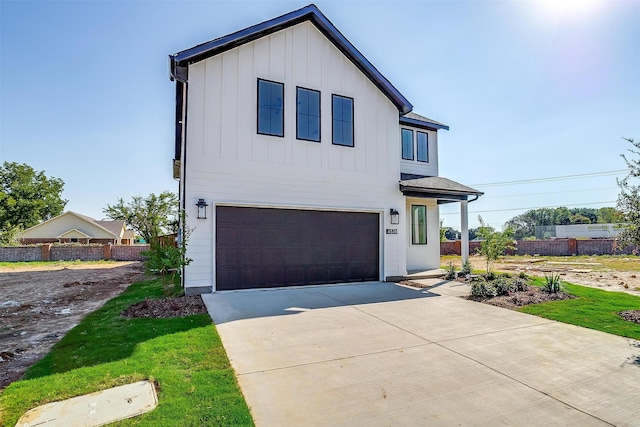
423,124
310,13
440,188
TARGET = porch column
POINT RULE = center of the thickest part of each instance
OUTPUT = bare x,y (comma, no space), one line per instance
464,227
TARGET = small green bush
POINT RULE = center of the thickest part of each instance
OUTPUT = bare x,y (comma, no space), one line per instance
483,289
450,272
552,283
466,268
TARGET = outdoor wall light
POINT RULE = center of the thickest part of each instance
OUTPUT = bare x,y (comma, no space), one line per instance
395,216
202,209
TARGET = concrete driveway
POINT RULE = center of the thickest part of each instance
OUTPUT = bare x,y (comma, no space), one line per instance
379,354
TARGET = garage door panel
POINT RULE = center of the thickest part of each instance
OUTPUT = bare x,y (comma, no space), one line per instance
263,247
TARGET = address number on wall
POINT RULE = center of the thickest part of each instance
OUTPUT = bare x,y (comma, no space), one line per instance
392,231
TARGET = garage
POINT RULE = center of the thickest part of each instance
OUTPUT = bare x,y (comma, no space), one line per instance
266,247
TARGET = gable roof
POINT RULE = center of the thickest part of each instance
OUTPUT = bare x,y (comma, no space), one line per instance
179,61
413,119
114,227
99,224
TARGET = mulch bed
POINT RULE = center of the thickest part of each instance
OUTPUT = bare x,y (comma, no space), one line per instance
630,315
514,300
167,307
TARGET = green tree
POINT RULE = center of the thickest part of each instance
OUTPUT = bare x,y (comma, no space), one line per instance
150,216
494,243
579,219
609,215
27,197
629,198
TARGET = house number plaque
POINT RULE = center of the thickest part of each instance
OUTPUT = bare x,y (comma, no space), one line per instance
392,231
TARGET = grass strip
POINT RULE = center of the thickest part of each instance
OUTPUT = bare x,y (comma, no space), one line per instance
183,356
593,308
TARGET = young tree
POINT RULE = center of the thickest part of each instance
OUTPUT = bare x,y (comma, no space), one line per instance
27,197
494,243
150,216
629,198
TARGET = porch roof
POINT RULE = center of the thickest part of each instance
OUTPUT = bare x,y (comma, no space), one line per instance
437,187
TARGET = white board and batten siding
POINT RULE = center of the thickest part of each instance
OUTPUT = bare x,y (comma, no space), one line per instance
415,167
229,163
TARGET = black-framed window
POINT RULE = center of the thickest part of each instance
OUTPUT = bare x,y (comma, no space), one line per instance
307,114
270,108
407,144
418,224
342,122
423,146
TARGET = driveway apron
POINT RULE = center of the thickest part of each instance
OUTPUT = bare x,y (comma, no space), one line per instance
380,354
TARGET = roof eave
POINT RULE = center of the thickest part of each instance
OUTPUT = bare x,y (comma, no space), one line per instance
311,13
423,124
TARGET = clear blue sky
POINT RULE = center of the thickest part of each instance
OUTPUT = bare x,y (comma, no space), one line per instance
531,89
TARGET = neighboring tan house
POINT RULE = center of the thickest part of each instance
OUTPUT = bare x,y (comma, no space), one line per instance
71,227
300,163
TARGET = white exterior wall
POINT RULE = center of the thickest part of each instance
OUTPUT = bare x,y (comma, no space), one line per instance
228,162
415,167
424,257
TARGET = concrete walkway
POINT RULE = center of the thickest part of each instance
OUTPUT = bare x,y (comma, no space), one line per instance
379,354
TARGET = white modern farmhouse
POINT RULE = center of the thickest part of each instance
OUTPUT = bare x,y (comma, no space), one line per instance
300,163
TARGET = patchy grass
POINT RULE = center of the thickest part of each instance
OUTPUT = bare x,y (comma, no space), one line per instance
607,262
184,356
52,264
593,308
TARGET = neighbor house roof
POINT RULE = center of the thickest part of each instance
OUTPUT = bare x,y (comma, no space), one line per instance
114,227
443,189
179,61
413,119
111,227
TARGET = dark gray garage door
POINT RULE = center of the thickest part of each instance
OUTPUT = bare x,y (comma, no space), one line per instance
261,248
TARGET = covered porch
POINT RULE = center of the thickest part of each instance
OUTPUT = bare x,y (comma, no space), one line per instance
437,190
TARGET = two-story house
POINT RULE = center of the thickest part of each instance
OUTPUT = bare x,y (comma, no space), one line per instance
300,163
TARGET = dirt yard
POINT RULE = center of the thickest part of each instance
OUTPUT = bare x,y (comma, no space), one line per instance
39,304
616,274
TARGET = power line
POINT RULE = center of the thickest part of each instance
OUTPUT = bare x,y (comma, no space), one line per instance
544,194
521,209
551,178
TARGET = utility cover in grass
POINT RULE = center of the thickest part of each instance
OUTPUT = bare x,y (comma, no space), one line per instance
95,409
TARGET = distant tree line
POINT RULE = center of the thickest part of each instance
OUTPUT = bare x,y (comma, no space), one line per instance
524,225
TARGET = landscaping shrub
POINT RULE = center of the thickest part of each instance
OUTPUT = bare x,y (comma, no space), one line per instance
552,283
450,272
466,268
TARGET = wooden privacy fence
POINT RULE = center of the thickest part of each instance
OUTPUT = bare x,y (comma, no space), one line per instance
553,247
49,252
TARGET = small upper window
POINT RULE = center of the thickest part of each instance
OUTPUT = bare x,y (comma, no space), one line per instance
270,108
423,147
407,144
342,127
308,114
419,225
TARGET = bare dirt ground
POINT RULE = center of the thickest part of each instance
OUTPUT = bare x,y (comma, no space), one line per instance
39,304
590,271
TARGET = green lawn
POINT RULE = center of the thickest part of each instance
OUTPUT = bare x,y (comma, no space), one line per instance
184,356
593,308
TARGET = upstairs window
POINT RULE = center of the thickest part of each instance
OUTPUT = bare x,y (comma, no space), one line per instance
308,114
342,126
423,147
418,224
270,108
407,144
